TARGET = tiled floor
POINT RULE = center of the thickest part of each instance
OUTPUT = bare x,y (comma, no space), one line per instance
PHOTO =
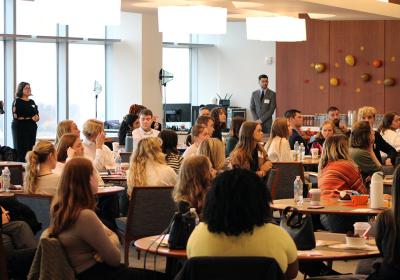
340,266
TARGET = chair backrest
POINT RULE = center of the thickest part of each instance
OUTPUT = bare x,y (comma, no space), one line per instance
125,156
16,173
51,261
287,174
40,205
150,211
3,262
221,268
273,181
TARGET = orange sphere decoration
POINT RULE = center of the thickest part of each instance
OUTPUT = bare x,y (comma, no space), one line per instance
334,81
377,63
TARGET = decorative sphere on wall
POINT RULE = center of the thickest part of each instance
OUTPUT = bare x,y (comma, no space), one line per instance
377,63
334,81
350,60
365,77
319,67
389,82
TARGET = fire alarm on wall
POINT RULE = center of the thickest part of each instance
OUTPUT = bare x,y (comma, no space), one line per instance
268,60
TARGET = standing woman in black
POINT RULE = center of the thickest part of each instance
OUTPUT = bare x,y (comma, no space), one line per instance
25,116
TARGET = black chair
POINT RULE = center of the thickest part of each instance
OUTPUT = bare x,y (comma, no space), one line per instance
287,174
273,181
150,212
3,262
125,156
230,268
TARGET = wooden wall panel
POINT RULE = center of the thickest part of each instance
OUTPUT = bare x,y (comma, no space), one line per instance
365,41
392,65
298,85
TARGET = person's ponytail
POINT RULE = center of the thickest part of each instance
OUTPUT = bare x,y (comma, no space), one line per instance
31,171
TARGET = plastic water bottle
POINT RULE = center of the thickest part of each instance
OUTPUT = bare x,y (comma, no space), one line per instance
302,151
298,191
117,162
6,175
193,213
296,149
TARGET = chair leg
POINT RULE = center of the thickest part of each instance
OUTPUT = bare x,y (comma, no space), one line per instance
138,253
126,253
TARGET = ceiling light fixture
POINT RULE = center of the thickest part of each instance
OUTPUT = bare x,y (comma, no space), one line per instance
277,29
89,12
192,19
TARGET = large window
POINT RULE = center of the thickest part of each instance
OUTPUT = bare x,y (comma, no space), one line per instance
86,66
176,61
36,17
37,65
2,92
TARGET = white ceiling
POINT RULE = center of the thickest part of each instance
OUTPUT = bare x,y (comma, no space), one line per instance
238,10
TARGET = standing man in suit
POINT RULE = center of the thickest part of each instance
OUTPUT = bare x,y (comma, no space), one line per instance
263,104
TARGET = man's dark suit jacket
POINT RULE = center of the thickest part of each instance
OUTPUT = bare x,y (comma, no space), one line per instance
263,109
297,137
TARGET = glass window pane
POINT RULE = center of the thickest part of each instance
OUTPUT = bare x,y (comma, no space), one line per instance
1,16
2,92
86,66
86,31
176,61
42,75
36,17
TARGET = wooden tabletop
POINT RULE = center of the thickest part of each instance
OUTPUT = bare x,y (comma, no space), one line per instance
113,177
310,161
102,191
330,247
332,206
12,163
6,194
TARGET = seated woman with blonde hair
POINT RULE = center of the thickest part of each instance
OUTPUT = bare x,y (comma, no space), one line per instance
66,126
147,166
93,145
214,150
194,179
277,147
39,177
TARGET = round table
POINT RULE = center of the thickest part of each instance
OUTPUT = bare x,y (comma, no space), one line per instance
6,194
310,161
331,206
102,191
323,251
113,178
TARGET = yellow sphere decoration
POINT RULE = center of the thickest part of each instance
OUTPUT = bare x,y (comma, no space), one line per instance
319,67
350,60
334,82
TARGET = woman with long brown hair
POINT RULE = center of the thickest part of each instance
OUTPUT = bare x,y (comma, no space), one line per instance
92,249
233,137
277,147
67,126
248,153
219,116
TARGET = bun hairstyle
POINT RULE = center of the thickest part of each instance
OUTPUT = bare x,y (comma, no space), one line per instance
34,158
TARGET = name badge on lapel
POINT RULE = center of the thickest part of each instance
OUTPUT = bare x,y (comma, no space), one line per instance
267,101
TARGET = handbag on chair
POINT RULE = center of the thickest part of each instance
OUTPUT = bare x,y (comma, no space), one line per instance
299,227
182,224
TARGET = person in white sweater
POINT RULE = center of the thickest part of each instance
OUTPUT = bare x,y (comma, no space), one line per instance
277,147
148,167
390,123
39,177
93,145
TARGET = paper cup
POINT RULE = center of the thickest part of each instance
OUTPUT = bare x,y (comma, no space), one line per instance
315,197
314,152
115,146
361,227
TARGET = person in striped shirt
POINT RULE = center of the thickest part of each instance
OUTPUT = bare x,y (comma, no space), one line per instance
169,148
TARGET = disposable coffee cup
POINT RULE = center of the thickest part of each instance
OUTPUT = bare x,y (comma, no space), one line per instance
361,227
115,146
314,152
294,155
315,197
